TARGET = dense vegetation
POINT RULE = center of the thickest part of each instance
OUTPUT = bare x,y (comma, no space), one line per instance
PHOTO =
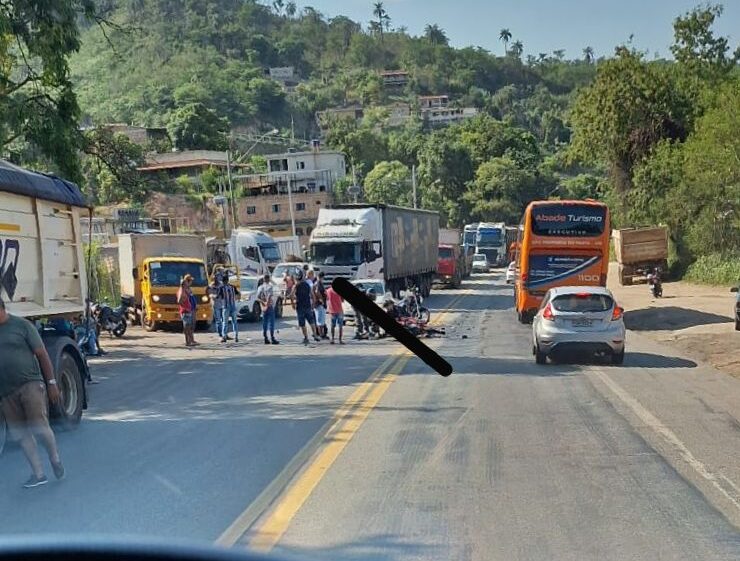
657,139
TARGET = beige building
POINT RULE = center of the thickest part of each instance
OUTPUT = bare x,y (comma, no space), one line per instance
296,186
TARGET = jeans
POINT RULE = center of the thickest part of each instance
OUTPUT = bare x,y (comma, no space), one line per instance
320,315
218,320
268,322
229,314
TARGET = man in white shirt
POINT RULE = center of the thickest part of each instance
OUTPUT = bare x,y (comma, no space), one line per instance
266,298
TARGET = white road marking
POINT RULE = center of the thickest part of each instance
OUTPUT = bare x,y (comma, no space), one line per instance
668,436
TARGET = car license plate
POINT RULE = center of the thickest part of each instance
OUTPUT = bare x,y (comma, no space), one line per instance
582,323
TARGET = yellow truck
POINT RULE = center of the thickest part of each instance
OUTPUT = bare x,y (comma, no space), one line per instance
639,251
151,268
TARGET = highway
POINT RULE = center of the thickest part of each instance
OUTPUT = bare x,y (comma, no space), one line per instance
359,452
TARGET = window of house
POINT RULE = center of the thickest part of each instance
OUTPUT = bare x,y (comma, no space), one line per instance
322,188
311,185
275,208
318,202
275,165
300,206
299,231
300,165
285,165
251,210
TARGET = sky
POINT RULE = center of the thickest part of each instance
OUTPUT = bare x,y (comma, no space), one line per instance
542,25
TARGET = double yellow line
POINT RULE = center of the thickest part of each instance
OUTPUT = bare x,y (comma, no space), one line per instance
343,426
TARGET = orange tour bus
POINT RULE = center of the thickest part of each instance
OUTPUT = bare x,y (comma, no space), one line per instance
560,243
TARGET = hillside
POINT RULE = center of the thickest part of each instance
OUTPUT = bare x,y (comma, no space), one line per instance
159,56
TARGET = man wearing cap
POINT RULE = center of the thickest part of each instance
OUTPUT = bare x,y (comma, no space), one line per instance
27,384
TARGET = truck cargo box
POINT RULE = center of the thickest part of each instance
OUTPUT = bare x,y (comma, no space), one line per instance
410,241
42,268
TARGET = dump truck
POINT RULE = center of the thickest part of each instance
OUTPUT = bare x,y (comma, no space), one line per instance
639,251
151,267
42,274
365,241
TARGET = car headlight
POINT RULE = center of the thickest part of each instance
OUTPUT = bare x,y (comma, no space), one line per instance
204,298
246,296
155,298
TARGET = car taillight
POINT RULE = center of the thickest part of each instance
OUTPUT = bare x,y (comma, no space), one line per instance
547,313
617,313
525,276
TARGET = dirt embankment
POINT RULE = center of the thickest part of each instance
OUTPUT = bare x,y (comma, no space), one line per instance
694,319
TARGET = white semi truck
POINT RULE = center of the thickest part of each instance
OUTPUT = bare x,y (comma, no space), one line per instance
42,274
364,241
253,251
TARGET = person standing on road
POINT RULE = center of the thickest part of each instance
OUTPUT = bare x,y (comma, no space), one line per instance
319,297
229,295
266,298
218,303
27,384
289,281
304,309
334,306
187,311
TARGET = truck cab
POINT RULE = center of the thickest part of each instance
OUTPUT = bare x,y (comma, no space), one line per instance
253,251
160,279
449,265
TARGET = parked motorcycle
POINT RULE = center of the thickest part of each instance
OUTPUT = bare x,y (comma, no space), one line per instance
655,283
112,320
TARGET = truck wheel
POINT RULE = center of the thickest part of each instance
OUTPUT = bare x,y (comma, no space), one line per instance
3,433
146,324
69,378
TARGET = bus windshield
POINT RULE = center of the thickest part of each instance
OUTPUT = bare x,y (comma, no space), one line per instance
568,220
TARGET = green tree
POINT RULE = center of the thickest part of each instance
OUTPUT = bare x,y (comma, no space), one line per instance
194,126
505,36
388,183
630,107
384,20
38,107
517,48
436,35
588,55
110,168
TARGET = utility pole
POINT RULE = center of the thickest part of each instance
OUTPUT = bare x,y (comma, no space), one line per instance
413,183
290,204
232,204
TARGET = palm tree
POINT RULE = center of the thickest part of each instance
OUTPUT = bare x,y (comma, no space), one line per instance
542,57
278,6
291,9
559,54
435,35
517,48
384,20
588,54
505,37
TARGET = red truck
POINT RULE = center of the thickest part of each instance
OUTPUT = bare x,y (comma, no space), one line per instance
450,265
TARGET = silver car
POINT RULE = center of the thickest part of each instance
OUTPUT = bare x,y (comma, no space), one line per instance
376,285
582,319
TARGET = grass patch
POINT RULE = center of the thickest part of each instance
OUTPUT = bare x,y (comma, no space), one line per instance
715,269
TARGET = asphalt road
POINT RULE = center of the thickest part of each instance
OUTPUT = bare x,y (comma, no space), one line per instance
359,452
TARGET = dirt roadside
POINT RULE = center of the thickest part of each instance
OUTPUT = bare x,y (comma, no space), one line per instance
694,319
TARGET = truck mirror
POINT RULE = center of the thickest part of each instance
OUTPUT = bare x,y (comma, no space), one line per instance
135,273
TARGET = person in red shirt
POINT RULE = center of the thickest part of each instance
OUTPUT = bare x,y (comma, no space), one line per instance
185,304
334,307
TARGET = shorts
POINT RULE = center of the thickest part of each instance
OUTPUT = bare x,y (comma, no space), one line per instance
26,410
188,319
337,320
305,315
320,315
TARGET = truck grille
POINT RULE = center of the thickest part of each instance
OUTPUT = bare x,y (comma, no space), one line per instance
165,299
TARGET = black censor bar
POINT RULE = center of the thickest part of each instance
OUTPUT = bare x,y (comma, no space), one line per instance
361,303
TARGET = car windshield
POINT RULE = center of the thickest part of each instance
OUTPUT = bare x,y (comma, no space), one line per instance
411,147
270,251
336,253
248,285
171,273
583,303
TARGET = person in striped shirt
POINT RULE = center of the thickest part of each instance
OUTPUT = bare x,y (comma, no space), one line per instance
228,294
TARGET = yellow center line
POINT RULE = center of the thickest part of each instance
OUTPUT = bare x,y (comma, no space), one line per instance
353,415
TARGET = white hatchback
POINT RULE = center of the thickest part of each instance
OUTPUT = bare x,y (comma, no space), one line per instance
581,319
511,273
